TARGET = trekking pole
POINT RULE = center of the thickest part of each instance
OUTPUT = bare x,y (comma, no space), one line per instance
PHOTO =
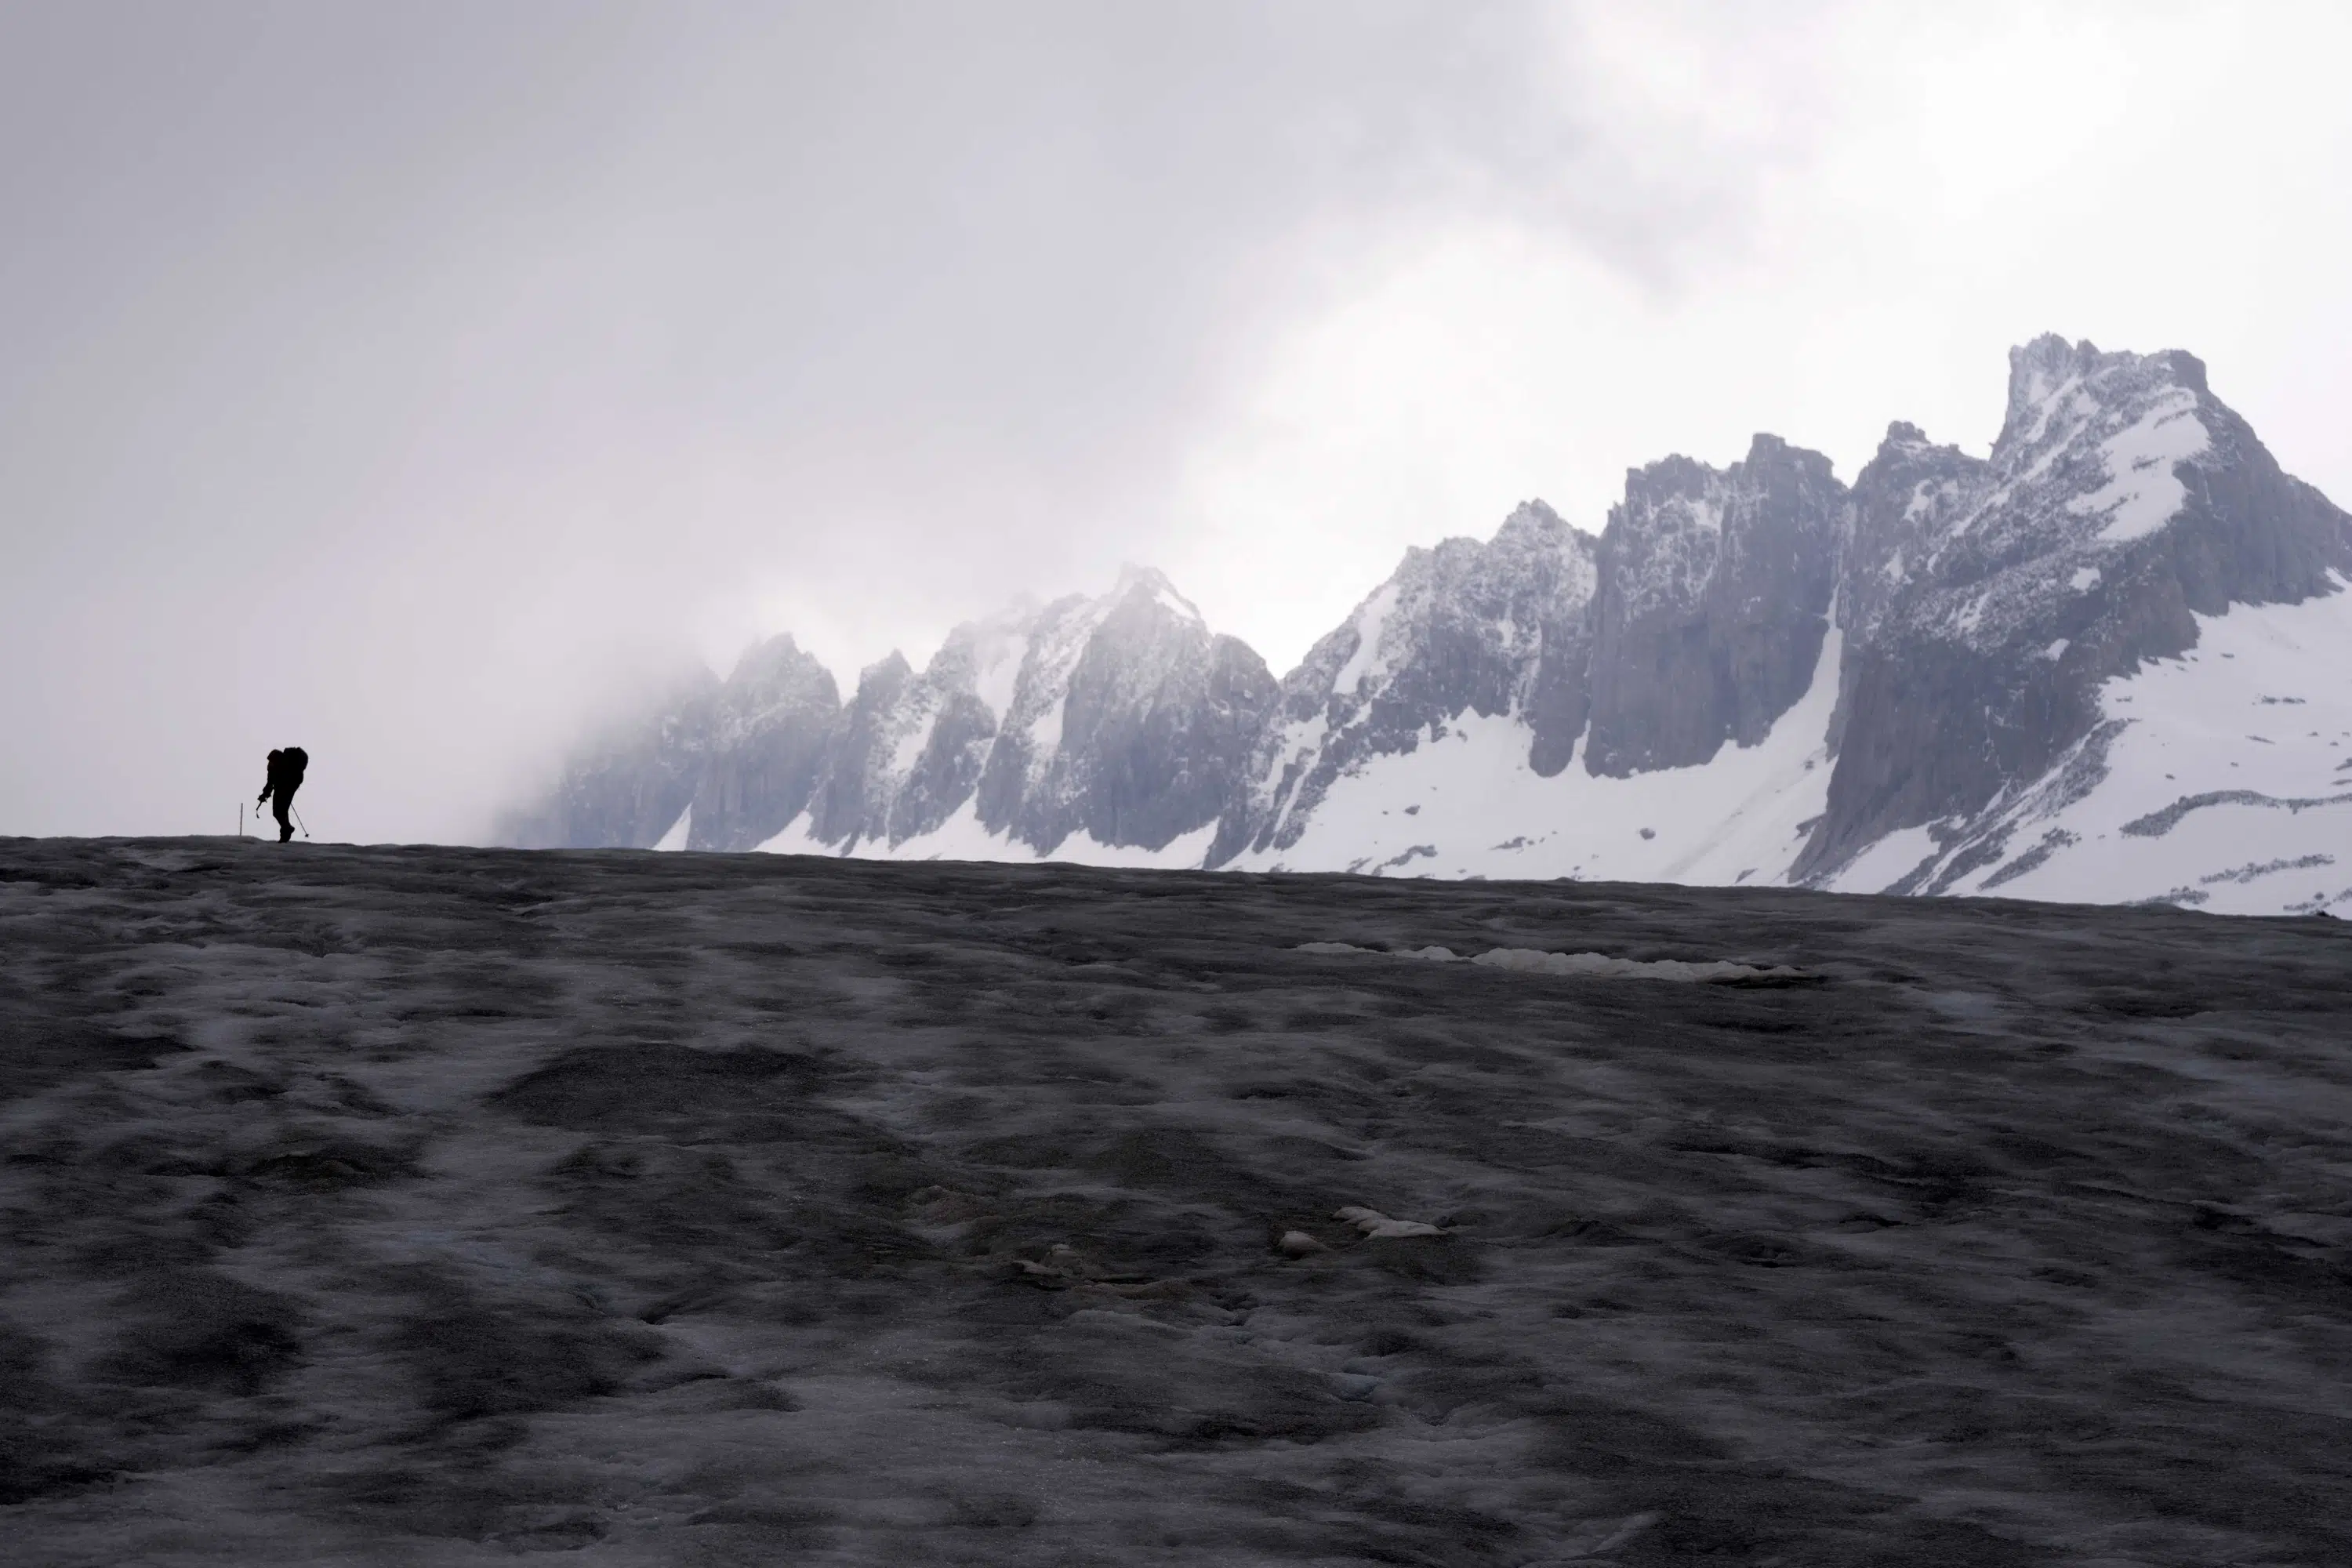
298,822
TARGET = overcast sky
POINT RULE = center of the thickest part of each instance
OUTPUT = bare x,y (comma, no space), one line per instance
404,379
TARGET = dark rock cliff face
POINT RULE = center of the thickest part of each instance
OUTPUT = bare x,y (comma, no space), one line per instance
1138,739
772,720
963,729
847,803
1986,603
1029,739
1714,599
1157,723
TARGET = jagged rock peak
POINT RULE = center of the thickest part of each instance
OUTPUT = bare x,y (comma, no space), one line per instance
777,673
886,672
1149,581
1489,627
1713,600
2044,372
763,660
1984,609
2121,501
1533,516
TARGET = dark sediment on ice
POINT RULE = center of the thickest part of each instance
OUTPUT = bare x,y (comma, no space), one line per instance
431,1205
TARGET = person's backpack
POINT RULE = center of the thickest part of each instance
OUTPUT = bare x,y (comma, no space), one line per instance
294,759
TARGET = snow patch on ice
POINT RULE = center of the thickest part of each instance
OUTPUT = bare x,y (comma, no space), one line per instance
1377,1226
1532,961
1594,965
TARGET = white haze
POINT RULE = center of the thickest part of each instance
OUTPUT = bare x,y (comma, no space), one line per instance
411,381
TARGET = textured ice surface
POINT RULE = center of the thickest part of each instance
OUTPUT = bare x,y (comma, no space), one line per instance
1591,965
416,1205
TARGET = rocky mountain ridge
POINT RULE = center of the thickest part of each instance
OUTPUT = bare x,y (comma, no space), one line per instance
1752,673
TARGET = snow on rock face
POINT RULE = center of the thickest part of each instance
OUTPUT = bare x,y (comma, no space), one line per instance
2121,502
1671,536
2220,779
1964,674
1465,801
2143,462
1373,648
1142,725
1117,723
1490,629
1906,502
2097,452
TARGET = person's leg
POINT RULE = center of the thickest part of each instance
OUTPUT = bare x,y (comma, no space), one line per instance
278,805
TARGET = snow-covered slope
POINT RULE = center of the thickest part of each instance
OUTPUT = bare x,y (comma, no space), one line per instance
1493,631
2102,662
962,837
1465,801
2221,779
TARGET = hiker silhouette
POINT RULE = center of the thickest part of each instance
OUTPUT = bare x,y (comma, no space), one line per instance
285,777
